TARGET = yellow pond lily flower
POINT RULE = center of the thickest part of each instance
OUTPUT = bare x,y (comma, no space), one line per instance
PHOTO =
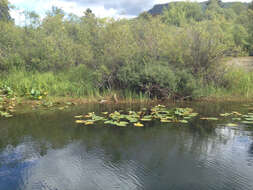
138,124
80,121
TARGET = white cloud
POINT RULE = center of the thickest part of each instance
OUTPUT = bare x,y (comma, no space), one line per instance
101,8
41,6
18,16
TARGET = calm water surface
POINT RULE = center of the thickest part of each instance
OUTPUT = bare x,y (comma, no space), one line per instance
48,151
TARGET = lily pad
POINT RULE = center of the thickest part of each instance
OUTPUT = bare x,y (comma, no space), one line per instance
236,119
146,119
225,114
232,125
183,121
132,120
78,116
88,123
166,121
210,118
247,122
109,122
121,124
249,119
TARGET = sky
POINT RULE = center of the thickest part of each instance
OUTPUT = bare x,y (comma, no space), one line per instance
101,8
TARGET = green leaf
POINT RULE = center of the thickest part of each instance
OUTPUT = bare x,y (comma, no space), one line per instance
232,125
210,118
183,121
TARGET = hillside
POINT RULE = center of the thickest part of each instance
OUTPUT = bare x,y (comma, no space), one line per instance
158,9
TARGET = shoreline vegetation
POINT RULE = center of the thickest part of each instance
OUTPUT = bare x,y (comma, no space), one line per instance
182,54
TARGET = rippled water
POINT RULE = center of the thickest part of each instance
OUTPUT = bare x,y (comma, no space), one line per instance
48,151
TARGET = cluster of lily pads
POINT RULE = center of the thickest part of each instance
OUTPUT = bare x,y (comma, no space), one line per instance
138,118
52,105
238,117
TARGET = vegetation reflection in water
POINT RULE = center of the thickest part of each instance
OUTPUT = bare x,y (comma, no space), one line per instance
160,156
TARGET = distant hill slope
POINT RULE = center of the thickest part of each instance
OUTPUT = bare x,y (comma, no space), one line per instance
158,9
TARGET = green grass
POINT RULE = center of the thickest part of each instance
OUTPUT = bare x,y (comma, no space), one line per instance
79,83
240,83
61,84
72,84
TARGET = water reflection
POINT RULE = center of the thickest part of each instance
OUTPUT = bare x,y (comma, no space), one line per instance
49,152
75,167
251,149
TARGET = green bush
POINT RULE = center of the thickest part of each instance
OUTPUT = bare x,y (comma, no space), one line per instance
177,54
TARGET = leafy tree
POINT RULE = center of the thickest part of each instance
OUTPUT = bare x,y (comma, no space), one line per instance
250,28
251,5
181,13
32,19
4,11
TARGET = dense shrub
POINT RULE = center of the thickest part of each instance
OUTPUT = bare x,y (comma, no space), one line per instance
171,55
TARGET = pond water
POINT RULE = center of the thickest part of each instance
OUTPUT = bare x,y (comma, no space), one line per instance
47,150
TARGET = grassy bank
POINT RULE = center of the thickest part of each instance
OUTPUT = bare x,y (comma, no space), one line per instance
75,85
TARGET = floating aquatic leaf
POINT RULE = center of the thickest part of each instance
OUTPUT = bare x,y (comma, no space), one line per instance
193,114
236,119
247,122
78,116
209,118
166,121
249,118
90,120
232,125
230,114
121,124
225,114
183,121
97,118
169,117
139,113
132,119
8,115
146,119
109,122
